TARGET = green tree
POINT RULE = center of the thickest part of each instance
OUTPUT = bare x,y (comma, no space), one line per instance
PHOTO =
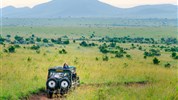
84,44
156,61
38,39
174,54
11,49
45,40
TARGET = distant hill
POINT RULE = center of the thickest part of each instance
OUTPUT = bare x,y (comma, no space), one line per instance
89,8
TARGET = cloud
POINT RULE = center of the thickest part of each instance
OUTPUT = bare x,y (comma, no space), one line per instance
132,3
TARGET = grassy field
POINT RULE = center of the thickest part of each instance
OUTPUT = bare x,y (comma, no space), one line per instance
24,72
76,32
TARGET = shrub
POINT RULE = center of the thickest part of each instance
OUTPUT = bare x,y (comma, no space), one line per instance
168,65
38,51
156,61
176,57
1,40
105,58
45,40
33,35
84,44
35,47
97,58
18,38
8,36
5,50
63,51
145,57
38,39
113,44
29,59
119,55
17,46
140,48
174,54
128,56
66,42
74,41
104,50
152,52
11,49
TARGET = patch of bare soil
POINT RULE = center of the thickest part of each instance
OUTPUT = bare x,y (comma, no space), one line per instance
43,96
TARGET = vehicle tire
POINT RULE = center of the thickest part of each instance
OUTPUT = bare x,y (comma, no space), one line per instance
51,83
64,83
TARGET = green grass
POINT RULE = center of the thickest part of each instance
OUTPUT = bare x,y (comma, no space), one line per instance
76,32
20,77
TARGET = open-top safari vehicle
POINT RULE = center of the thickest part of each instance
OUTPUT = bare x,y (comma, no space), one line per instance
60,80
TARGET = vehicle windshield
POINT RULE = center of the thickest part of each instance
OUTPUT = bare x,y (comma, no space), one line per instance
58,74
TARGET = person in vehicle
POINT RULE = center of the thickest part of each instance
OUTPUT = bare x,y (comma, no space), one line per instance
65,66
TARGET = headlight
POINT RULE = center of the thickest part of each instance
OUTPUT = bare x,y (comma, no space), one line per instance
64,84
52,84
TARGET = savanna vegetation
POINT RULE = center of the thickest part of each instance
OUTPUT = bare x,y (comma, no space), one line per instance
113,63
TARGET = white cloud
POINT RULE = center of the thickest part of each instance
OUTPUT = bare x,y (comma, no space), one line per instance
132,3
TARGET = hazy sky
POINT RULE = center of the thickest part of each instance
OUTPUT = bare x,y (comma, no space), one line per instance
118,3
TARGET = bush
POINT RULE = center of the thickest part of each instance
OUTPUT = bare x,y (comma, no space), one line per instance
152,52
168,65
1,40
97,58
156,61
63,51
140,48
176,57
128,56
104,50
174,54
5,50
119,55
74,41
45,40
38,51
18,38
145,57
105,58
38,39
17,46
11,49
84,44
66,42
35,47
113,44
29,59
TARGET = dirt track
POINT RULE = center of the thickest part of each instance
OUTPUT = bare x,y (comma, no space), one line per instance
42,94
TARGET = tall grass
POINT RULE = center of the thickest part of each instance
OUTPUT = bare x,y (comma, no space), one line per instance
20,76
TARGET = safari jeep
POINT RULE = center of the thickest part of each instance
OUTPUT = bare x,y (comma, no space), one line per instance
60,80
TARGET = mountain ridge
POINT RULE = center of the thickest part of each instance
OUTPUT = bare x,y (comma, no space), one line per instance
89,8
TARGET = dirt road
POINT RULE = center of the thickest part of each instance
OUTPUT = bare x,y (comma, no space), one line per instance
42,94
